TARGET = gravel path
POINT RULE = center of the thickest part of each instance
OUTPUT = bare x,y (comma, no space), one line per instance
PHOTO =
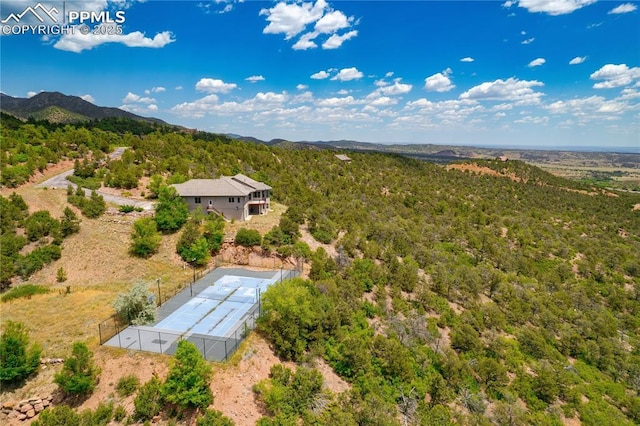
61,181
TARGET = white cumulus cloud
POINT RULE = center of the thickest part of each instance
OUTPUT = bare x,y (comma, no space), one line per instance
197,108
295,18
211,85
292,18
615,76
467,59
320,75
537,62
348,74
439,82
88,98
302,87
306,42
77,42
254,78
528,41
131,97
623,8
577,60
335,41
552,7
510,89
157,89
332,22
397,88
337,102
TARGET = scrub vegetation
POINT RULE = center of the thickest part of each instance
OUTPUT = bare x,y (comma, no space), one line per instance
507,296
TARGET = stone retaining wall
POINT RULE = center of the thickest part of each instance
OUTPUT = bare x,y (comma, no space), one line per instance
25,409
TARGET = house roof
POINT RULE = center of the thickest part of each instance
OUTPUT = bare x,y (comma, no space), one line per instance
342,157
226,186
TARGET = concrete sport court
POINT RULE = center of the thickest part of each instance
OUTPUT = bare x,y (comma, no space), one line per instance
214,314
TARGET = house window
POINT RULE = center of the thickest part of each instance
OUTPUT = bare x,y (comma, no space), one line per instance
238,199
231,199
210,202
198,201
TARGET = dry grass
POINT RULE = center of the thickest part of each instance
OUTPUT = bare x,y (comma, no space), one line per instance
262,224
54,200
98,267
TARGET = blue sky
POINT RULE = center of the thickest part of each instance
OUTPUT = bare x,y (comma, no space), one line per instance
544,73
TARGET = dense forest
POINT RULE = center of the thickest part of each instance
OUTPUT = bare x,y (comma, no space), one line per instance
506,298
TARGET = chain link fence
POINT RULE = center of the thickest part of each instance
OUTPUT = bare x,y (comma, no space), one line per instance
113,332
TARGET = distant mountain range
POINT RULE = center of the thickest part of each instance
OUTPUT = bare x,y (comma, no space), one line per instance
56,107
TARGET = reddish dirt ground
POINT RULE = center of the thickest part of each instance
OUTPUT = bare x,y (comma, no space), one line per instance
231,385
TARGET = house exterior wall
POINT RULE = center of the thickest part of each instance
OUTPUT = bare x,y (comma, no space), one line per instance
230,207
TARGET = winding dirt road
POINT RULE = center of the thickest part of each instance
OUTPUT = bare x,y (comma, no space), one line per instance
61,181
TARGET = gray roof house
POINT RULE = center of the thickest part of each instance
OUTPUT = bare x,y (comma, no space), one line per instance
233,197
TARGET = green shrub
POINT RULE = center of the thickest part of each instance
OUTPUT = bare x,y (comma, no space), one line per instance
103,414
214,418
95,206
34,261
93,183
60,415
61,275
145,240
171,210
127,385
136,306
289,393
290,314
119,413
126,208
25,290
11,244
41,224
18,359
187,384
69,223
248,237
148,402
79,375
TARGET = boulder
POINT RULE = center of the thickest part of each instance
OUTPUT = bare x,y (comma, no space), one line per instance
31,413
26,407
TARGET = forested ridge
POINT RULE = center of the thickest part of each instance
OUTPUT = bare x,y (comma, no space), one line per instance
454,297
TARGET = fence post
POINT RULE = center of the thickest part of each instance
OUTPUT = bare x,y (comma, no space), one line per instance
226,354
100,332
139,339
204,349
160,341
